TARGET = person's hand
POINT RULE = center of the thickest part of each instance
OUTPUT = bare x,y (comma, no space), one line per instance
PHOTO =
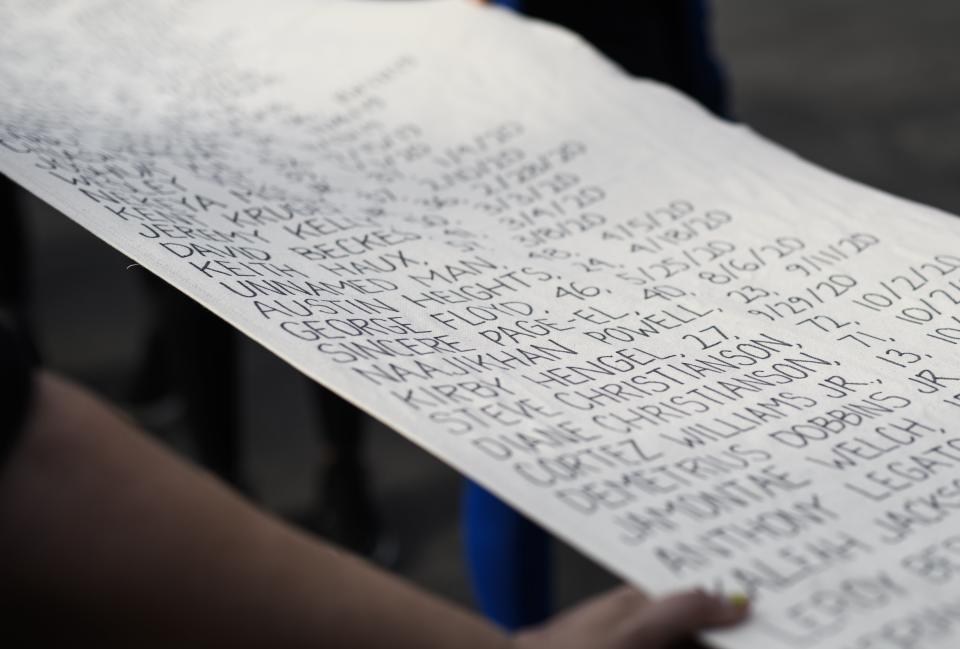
627,619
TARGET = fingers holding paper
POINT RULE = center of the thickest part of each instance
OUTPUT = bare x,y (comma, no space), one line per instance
627,619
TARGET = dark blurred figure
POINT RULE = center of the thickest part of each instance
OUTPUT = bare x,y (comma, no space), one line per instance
193,354
13,255
344,511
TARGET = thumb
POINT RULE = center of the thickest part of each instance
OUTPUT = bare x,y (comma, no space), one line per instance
680,616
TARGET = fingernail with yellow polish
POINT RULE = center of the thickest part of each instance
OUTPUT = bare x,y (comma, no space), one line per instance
739,600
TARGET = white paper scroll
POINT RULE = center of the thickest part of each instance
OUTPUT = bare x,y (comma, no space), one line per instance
698,358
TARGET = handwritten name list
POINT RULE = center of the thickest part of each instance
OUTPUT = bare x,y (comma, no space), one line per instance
698,358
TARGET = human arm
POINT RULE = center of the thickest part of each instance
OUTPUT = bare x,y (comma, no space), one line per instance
106,536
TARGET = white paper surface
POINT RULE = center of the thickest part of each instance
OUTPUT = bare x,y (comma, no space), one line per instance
698,358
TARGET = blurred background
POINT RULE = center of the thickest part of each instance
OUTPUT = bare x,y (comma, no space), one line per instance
867,88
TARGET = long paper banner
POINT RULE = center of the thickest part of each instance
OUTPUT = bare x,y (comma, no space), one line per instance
696,357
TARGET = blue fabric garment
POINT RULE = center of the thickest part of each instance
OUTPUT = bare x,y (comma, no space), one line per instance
510,560
710,85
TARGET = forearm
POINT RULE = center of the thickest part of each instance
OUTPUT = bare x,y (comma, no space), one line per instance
118,540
